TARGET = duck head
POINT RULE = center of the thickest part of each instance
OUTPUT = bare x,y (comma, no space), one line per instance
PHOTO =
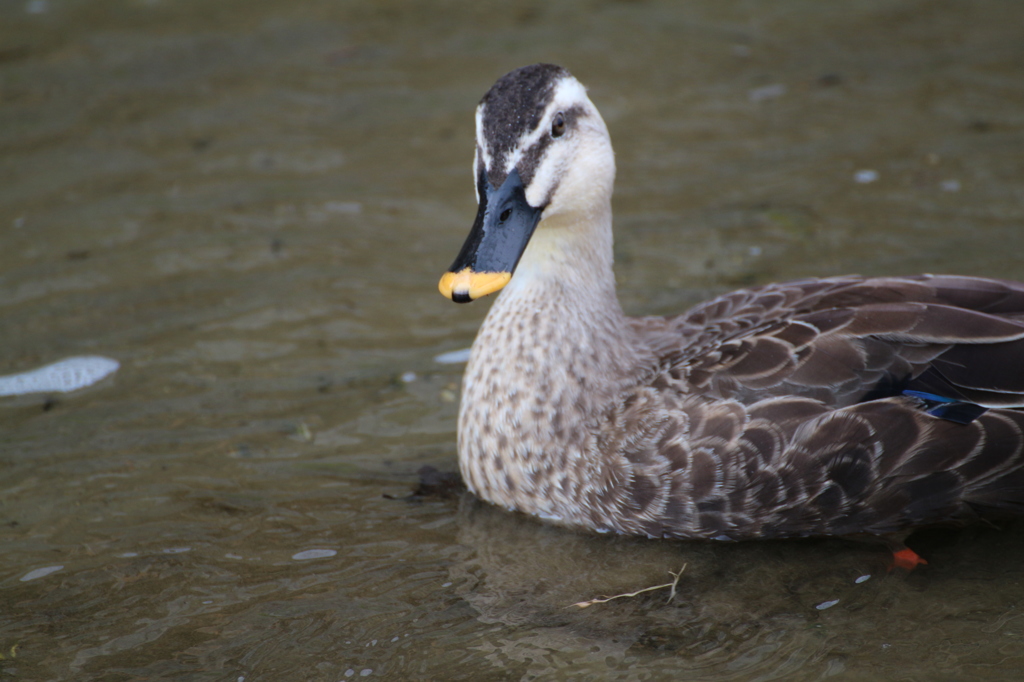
543,164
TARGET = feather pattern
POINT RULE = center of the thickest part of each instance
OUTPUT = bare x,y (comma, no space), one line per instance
794,409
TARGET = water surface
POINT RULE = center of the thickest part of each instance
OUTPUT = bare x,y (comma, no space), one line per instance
248,205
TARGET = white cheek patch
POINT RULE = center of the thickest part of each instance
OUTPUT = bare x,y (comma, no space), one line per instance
550,168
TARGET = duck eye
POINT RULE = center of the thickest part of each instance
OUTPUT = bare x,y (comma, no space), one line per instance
558,125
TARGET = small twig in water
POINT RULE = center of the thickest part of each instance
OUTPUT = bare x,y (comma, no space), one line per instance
672,594
675,583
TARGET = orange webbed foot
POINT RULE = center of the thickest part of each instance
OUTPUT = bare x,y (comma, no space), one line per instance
907,559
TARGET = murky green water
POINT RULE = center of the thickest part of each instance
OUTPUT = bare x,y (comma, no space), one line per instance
248,204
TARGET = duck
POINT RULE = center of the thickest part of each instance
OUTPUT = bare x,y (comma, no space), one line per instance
840,406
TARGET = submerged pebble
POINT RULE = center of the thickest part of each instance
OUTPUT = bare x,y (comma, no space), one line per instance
865,176
766,92
314,554
40,573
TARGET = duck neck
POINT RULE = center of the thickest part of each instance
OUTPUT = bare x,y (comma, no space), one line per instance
553,353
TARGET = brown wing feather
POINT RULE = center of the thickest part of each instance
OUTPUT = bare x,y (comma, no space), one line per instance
839,340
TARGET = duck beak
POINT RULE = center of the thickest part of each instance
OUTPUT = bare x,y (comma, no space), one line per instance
504,224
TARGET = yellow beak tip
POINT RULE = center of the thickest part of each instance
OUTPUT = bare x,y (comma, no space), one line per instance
465,285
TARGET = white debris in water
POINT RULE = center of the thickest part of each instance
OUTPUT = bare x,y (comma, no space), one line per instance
409,377
865,176
773,91
64,376
177,550
950,185
128,555
314,554
365,671
40,573
453,357
826,604
863,579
